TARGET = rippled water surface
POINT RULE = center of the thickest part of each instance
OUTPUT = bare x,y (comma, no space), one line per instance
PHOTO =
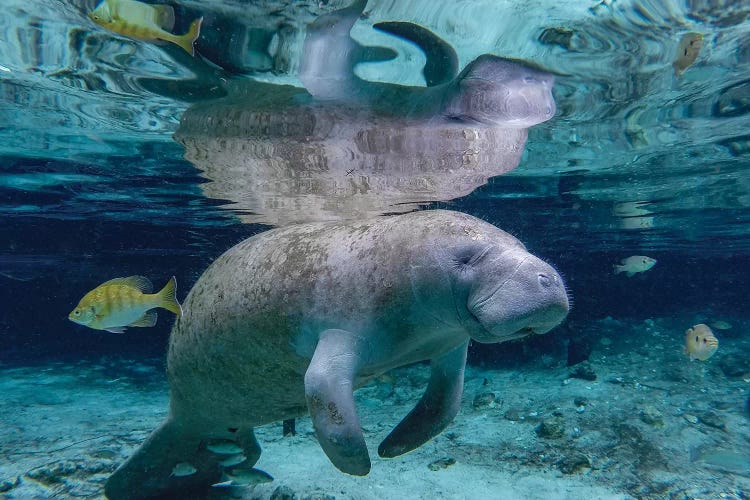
634,153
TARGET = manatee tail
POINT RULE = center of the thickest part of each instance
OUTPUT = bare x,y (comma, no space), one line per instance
442,61
168,299
148,473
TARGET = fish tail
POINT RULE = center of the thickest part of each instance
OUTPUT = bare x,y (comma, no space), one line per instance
167,297
187,40
618,268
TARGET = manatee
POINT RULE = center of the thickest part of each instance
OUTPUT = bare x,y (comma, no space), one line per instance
291,321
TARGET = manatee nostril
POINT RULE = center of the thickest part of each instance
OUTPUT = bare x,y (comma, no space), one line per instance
544,280
549,110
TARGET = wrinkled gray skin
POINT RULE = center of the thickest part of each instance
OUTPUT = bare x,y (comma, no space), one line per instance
491,90
292,320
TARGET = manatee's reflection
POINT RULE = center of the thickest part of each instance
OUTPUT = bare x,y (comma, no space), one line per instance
347,148
280,157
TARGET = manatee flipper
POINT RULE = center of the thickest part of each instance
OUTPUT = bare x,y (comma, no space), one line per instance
148,473
329,389
439,404
329,53
442,62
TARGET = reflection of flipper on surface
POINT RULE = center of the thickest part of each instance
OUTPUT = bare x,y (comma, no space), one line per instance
442,61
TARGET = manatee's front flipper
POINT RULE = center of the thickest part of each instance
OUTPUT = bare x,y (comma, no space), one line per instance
329,389
442,62
436,409
148,473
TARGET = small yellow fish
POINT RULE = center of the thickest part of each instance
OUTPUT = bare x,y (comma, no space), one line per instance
687,52
700,342
123,302
143,21
634,264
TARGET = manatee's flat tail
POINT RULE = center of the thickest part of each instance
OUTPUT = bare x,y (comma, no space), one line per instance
442,61
148,473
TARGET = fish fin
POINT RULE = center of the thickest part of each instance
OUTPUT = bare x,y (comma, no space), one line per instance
168,299
164,16
116,329
630,274
138,282
147,320
187,40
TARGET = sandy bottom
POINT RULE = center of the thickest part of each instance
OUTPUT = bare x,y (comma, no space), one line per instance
651,425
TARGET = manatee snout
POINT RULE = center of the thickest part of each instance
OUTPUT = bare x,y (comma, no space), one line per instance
532,300
497,91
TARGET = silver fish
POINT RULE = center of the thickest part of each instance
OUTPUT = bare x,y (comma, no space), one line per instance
224,448
243,476
183,469
232,460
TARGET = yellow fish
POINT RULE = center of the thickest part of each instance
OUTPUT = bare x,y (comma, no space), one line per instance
123,302
687,52
700,342
143,21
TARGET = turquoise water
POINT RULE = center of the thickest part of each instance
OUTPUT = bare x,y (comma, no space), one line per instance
124,157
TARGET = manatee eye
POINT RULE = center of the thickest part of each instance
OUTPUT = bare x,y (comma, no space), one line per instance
95,18
704,341
696,338
529,79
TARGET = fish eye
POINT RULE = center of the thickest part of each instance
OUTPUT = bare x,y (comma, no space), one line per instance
77,312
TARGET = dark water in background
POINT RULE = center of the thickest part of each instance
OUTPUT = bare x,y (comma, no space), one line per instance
50,262
92,185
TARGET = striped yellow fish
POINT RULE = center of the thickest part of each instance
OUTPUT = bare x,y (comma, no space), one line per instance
123,302
143,21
